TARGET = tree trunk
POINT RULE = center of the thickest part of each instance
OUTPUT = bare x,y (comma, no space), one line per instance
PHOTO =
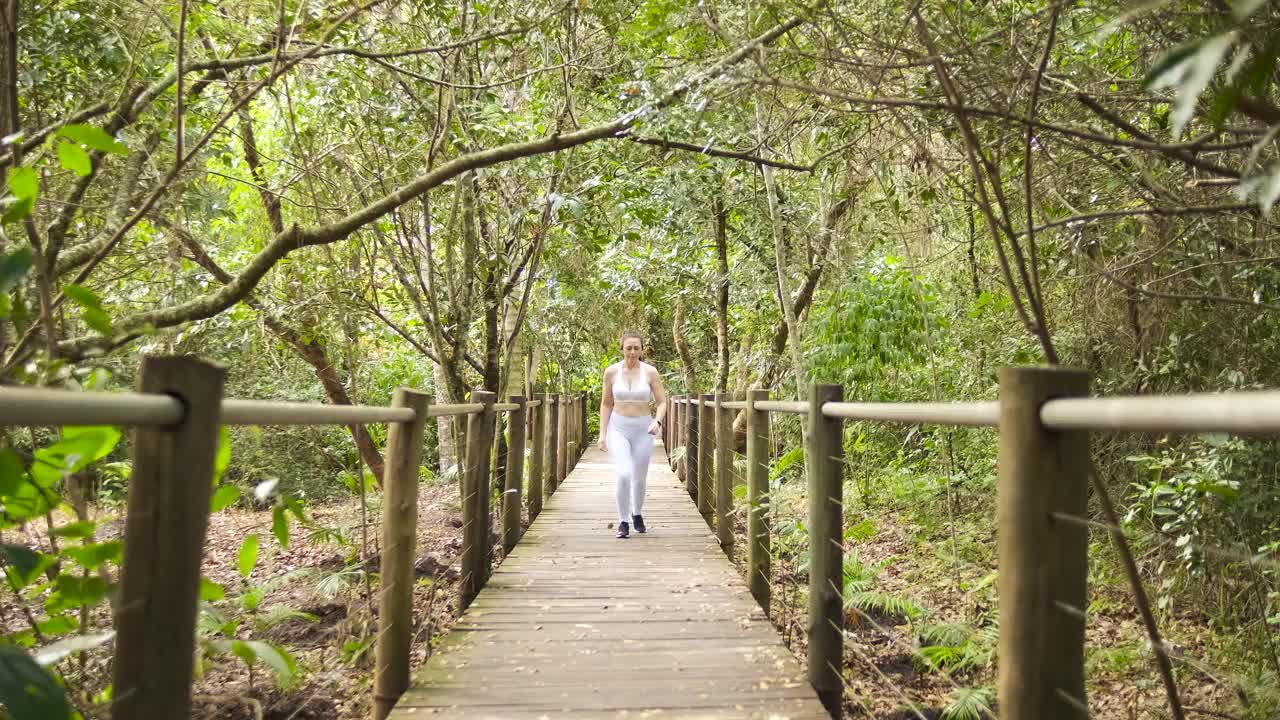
316,355
8,98
789,316
448,451
722,294
682,346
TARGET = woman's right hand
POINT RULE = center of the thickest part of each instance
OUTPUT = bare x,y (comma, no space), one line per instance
604,446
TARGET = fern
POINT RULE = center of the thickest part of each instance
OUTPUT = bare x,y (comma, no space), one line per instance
278,614
857,576
331,585
956,646
884,604
953,634
969,704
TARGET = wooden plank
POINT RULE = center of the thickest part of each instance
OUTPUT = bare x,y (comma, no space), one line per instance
576,623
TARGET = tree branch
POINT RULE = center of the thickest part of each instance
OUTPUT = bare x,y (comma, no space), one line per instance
708,150
295,237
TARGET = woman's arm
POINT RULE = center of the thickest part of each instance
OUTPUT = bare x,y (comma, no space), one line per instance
659,397
606,408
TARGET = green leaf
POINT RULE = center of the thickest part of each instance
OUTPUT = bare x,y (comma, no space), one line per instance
1168,66
74,158
20,570
279,660
25,186
80,447
97,320
223,458
58,625
210,590
76,530
28,690
13,476
91,557
13,267
280,525
82,296
241,649
248,555
93,137
252,599
23,183
18,210
22,559
223,497
70,591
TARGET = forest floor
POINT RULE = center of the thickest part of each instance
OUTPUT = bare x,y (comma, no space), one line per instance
335,646
918,585
311,601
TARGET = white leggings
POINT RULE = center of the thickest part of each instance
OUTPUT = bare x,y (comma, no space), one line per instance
630,446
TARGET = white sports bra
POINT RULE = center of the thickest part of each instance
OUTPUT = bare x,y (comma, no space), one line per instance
640,393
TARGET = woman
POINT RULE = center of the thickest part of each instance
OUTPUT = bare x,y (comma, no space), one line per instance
627,429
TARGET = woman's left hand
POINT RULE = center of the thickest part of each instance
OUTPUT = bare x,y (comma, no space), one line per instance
654,427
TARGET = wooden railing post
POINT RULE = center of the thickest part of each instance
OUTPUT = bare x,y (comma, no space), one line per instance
724,474
1043,561
692,448
562,454
475,501
399,539
825,463
706,446
584,407
758,500
511,496
164,531
674,421
666,429
537,460
571,424
553,442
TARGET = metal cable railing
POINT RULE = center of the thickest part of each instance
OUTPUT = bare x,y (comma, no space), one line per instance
1044,467
177,414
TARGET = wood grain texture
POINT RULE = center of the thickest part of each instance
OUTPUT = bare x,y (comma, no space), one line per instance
399,540
164,542
578,624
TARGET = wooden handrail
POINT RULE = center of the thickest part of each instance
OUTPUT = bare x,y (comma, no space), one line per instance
263,412
450,410
974,414
1234,412
27,406
21,406
1253,412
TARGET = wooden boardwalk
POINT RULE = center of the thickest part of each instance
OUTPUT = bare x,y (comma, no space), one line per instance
578,624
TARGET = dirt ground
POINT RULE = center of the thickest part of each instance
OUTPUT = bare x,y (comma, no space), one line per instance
312,603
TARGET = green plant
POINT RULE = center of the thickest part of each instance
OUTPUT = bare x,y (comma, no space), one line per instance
969,704
216,635
860,593
956,647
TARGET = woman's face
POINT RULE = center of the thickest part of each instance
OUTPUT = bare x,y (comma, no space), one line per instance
631,348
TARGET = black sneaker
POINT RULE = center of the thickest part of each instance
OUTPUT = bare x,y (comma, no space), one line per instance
638,522
622,531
